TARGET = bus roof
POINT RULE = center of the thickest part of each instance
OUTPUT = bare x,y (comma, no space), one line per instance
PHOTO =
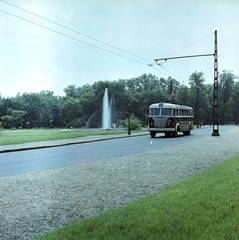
169,105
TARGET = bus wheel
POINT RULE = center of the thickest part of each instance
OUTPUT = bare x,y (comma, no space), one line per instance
175,134
187,132
152,134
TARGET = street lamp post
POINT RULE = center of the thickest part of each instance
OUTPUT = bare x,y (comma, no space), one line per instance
129,132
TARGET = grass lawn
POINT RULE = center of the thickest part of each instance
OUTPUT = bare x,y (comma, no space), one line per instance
23,136
205,206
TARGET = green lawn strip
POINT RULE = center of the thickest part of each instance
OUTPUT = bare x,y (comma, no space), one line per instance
24,136
205,206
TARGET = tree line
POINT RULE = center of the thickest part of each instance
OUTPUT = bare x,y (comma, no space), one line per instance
79,104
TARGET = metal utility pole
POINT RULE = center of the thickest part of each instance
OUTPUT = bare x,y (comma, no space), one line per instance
129,130
215,105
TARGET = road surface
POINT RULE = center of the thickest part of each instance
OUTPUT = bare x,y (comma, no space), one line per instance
19,162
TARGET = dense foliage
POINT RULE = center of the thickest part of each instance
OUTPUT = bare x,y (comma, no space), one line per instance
79,104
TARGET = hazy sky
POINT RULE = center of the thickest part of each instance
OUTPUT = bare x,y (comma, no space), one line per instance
33,58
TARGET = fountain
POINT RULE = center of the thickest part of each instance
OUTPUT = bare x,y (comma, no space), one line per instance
107,111
109,116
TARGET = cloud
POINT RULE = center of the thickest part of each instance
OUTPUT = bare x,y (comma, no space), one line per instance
66,16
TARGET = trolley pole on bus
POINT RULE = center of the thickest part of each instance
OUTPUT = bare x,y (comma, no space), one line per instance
129,132
215,104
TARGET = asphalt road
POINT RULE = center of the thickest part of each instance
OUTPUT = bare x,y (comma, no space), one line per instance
13,163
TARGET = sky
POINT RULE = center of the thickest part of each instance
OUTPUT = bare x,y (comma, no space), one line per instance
51,44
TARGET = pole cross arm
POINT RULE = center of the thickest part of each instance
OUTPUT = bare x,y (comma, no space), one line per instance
201,55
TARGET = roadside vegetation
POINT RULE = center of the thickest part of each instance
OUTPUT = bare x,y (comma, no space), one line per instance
205,206
81,106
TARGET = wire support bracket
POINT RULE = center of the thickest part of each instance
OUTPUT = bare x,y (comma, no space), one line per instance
200,55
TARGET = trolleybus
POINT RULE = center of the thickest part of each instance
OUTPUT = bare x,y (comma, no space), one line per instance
169,118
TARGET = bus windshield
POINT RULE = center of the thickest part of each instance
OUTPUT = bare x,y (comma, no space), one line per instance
163,112
154,111
166,112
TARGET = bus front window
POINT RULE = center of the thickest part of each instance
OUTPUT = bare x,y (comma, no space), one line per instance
154,112
166,112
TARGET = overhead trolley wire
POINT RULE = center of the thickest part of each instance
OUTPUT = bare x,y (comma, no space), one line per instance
58,24
80,34
92,45
76,39
46,19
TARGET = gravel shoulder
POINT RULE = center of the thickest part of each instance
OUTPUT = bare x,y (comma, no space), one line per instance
35,203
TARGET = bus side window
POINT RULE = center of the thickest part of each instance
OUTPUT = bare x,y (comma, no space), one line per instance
174,112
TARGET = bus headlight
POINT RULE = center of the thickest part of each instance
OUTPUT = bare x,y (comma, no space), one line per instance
151,122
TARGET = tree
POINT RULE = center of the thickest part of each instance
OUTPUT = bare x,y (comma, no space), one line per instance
184,96
71,109
208,117
70,91
33,106
234,103
226,84
50,114
80,103
8,121
15,119
198,96
18,115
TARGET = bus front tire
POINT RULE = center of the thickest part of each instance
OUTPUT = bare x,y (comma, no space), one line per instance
175,134
187,132
152,134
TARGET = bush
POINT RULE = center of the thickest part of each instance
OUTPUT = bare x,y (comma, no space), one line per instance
134,123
